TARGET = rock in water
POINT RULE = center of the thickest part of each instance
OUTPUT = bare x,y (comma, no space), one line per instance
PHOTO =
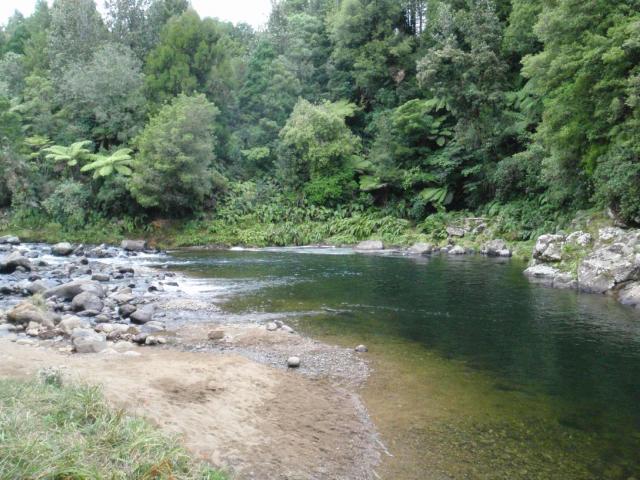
86,301
293,362
420,249
496,248
216,335
62,249
609,267
457,250
71,289
143,314
134,245
26,312
11,262
361,349
100,277
9,240
370,245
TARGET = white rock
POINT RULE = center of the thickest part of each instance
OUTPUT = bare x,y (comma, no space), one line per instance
293,362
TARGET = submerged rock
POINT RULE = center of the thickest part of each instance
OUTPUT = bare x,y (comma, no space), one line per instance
542,273
420,249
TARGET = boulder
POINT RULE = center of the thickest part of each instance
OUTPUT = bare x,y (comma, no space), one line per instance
11,262
9,240
134,245
496,248
455,231
542,273
420,249
126,310
271,326
37,286
70,322
361,349
143,314
69,290
87,341
62,249
610,234
607,267
565,280
100,277
86,301
293,362
122,298
457,250
152,340
579,238
215,335
370,245
26,312
630,295
548,248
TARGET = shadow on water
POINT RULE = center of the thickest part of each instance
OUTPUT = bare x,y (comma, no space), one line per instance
478,374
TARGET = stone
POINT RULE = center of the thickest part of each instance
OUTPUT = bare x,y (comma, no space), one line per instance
125,270
69,290
70,322
457,250
495,248
455,231
134,245
126,310
607,267
579,238
38,286
152,340
100,277
88,341
215,335
13,261
122,298
143,314
361,349
420,249
370,245
610,234
630,295
26,341
108,328
62,249
565,280
87,301
271,326
154,326
542,273
293,362
9,240
548,248
287,329
26,312
140,338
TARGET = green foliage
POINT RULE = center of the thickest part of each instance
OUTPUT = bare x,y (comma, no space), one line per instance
71,155
119,162
174,171
68,204
50,430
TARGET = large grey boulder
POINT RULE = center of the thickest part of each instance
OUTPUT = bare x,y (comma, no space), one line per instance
9,240
608,267
88,341
457,250
370,245
579,238
86,301
420,248
455,231
62,249
134,245
548,248
71,289
26,312
11,262
143,314
496,248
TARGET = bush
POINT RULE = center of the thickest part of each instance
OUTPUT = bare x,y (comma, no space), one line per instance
68,203
617,183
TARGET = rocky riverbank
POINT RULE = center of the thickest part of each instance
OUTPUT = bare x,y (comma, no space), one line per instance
606,261
158,344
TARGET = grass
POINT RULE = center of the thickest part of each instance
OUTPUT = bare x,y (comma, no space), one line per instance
68,432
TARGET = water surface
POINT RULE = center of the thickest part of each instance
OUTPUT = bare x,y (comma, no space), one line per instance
477,372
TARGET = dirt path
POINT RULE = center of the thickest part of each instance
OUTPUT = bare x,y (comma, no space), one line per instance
258,421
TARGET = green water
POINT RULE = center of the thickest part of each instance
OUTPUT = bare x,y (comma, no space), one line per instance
477,372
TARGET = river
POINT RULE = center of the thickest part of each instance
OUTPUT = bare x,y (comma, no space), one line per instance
477,373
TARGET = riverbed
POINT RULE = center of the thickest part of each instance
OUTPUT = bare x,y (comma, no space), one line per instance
476,373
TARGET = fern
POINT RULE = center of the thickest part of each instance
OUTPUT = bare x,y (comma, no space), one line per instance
119,162
71,155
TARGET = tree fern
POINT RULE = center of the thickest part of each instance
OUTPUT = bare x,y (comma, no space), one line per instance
71,155
102,165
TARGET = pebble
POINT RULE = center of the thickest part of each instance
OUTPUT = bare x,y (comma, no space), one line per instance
293,362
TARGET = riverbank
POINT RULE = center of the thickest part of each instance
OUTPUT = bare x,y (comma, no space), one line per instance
154,343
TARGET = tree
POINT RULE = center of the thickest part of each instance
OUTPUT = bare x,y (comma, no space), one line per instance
104,97
174,171
102,165
71,155
318,152
76,31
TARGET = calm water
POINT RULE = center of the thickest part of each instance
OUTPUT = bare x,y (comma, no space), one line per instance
477,373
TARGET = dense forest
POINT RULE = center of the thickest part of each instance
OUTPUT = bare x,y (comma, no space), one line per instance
341,118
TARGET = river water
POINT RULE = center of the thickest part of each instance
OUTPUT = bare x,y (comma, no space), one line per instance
476,372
